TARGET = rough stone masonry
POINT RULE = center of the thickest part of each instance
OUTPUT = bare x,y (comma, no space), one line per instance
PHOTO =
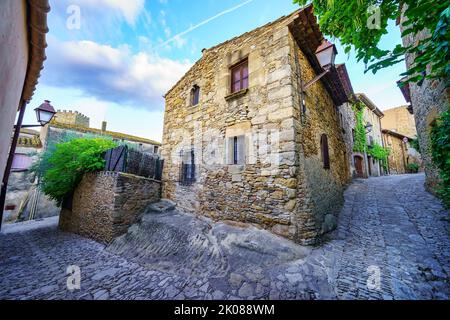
282,184
106,204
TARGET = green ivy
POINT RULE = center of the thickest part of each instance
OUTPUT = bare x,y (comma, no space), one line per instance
440,151
62,166
360,142
379,153
415,144
412,167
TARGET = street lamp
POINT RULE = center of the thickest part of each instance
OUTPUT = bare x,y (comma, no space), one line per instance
326,55
44,114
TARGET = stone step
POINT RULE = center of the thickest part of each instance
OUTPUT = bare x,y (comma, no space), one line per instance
164,205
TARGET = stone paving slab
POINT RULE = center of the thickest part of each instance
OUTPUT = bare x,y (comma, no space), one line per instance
391,243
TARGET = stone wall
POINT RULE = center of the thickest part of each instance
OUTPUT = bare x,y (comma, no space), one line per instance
429,100
106,204
71,118
13,68
399,120
274,186
397,156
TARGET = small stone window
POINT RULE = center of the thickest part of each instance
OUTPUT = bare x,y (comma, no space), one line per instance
155,149
236,155
187,168
325,151
239,76
195,95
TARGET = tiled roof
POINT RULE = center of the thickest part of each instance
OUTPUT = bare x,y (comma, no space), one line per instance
37,28
113,134
370,104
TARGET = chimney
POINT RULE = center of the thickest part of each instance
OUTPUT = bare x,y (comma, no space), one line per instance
103,126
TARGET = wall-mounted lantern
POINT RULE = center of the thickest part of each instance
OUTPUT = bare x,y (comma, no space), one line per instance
44,113
368,127
326,55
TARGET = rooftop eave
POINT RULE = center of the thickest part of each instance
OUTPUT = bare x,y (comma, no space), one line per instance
307,34
37,29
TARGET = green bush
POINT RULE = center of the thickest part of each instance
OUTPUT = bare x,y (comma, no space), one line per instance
62,166
412,167
440,151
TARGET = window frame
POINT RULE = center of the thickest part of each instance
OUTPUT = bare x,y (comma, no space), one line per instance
195,93
187,170
239,66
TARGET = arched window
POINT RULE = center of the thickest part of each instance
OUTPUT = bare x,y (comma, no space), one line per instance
325,151
195,95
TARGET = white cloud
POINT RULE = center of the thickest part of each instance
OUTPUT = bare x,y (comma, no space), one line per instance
112,74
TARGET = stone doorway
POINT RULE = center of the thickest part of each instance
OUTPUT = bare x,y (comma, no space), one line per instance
359,167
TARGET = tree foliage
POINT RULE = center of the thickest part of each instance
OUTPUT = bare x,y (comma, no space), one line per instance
61,167
348,20
440,151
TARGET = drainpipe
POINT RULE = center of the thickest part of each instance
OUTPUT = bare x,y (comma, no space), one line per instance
10,160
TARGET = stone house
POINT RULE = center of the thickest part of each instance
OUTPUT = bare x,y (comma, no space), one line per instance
401,152
23,25
428,99
362,165
372,117
242,141
23,199
73,123
399,120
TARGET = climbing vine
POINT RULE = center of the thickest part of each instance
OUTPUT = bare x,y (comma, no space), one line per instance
360,142
440,151
379,153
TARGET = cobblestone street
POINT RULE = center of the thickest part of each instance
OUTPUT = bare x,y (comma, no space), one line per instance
389,226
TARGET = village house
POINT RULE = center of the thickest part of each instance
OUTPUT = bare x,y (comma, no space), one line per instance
372,118
67,123
362,165
23,25
428,99
252,131
399,120
24,201
399,131
401,152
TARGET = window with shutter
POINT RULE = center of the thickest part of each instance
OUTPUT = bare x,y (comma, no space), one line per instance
325,151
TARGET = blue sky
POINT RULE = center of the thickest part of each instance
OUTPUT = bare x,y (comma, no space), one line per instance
127,53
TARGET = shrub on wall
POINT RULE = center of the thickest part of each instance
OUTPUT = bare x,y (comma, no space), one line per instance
440,151
61,168
412,168
379,153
